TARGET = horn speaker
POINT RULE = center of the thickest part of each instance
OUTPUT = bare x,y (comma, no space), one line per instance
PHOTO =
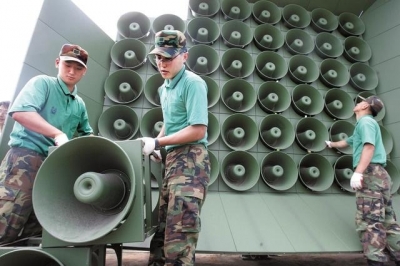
299,42
204,8
307,100
350,24
339,104
387,139
129,53
203,59
29,257
213,91
328,45
295,16
134,25
203,30
323,20
237,63
303,69
276,132
119,122
356,50
239,132
316,172
235,9
341,130
271,66
151,89
240,170
273,97
333,73
268,37
123,86
394,176
366,94
152,58
152,123
311,134
236,34
238,95
279,171
214,167
363,77
343,167
168,22
266,12
213,129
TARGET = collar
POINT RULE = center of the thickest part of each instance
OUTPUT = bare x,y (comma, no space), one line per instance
366,115
65,88
171,83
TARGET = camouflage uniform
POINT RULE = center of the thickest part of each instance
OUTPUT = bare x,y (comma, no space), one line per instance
375,219
17,175
182,195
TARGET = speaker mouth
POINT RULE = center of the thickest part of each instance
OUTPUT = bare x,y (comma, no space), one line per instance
268,37
273,97
316,172
323,20
203,30
338,104
134,25
204,8
168,22
235,10
295,16
29,256
266,12
350,24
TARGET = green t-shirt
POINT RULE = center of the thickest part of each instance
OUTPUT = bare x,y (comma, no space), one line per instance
49,97
184,103
367,131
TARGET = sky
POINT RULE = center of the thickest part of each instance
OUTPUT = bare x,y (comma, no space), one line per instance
18,19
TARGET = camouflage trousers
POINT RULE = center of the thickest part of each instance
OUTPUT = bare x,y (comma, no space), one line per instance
17,175
375,218
184,189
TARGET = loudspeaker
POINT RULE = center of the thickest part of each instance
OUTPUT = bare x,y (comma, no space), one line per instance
343,167
356,50
123,86
204,8
303,69
134,25
240,170
238,95
311,134
341,130
268,37
307,100
151,89
235,9
214,167
29,257
271,66
394,176
168,22
279,171
239,132
273,97
338,104
295,16
350,24
299,42
328,45
387,139
213,129
119,122
316,172
363,77
203,59
323,20
276,132
266,12
151,123
203,30
237,63
99,195
213,91
129,53
333,73
366,94
236,33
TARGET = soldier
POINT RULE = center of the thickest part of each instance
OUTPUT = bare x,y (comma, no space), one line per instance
183,99
3,112
47,112
375,218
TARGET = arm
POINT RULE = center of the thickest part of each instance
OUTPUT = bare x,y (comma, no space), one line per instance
34,122
339,144
366,157
185,135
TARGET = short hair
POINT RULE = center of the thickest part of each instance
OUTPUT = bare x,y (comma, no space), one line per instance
5,103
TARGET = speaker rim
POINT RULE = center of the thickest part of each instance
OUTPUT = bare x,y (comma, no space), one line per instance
126,16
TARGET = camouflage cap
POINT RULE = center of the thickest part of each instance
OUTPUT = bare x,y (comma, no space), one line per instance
375,104
169,43
73,52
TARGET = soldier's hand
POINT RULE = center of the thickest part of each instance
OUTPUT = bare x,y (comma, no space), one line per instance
356,181
61,139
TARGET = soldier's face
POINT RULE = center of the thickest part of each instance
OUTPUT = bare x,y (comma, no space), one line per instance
71,72
169,69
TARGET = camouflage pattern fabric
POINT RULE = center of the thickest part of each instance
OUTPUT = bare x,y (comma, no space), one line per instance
17,175
169,43
375,218
181,198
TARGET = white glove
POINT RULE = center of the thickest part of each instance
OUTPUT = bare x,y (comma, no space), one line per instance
328,143
148,145
356,181
156,156
60,139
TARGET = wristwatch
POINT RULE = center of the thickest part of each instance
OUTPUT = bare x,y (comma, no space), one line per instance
157,144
